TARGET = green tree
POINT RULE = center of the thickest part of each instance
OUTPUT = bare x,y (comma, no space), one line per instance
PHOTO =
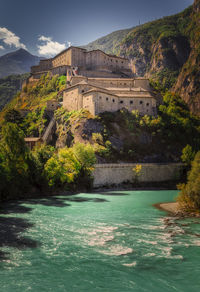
70,165
14,159
187,155
13,116
189,197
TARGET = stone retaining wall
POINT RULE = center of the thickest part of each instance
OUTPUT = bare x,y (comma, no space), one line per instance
109,174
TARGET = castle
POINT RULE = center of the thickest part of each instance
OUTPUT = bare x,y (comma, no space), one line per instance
98,82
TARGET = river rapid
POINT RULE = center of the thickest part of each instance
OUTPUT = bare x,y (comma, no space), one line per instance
114,241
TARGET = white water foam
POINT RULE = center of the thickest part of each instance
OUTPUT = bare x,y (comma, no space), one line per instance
147,241
117,250
133,264
150,254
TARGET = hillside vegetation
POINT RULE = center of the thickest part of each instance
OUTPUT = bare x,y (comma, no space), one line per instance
9,86
35,95
119,136
109,43
80,139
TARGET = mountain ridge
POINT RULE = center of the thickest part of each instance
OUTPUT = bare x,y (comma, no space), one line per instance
17,62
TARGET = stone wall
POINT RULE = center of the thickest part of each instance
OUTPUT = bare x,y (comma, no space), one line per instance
115,174
70,99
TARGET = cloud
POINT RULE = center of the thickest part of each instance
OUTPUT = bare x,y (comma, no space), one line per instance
69,44
10,39
49,47
2,48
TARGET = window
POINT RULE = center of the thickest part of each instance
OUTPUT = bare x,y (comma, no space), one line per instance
121,101
113,100
83,91
124,83
131,102
147,104
99,97
141,102
107,98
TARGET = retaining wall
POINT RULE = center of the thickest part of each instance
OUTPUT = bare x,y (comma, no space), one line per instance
109,174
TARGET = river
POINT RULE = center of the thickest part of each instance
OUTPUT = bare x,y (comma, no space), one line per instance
114,241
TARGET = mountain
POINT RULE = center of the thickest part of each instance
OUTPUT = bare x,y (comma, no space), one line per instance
109,43
159,48
168,50
17,62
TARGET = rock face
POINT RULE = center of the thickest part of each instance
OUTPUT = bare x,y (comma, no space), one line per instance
160,48
169,50
188,82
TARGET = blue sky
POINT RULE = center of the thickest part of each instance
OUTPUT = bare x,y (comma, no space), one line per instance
45,27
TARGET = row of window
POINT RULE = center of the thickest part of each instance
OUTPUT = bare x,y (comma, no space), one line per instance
113,60
121,101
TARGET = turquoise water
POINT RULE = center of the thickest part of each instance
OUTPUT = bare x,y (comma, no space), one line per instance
116,241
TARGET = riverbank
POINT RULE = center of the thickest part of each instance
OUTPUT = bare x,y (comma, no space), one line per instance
174,209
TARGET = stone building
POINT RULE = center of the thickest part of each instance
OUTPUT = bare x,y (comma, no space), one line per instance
109,94
97,82
74,60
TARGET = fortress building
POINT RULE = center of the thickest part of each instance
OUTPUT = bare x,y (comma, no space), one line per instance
74,60
98,82
109,94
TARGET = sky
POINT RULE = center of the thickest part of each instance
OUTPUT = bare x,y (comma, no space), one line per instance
46,27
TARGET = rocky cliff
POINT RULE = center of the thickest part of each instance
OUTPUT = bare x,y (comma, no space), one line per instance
168,50
188,82
159,48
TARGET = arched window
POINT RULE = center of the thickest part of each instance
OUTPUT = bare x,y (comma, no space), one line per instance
141,102
107,98
113,100
131,101
147,104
